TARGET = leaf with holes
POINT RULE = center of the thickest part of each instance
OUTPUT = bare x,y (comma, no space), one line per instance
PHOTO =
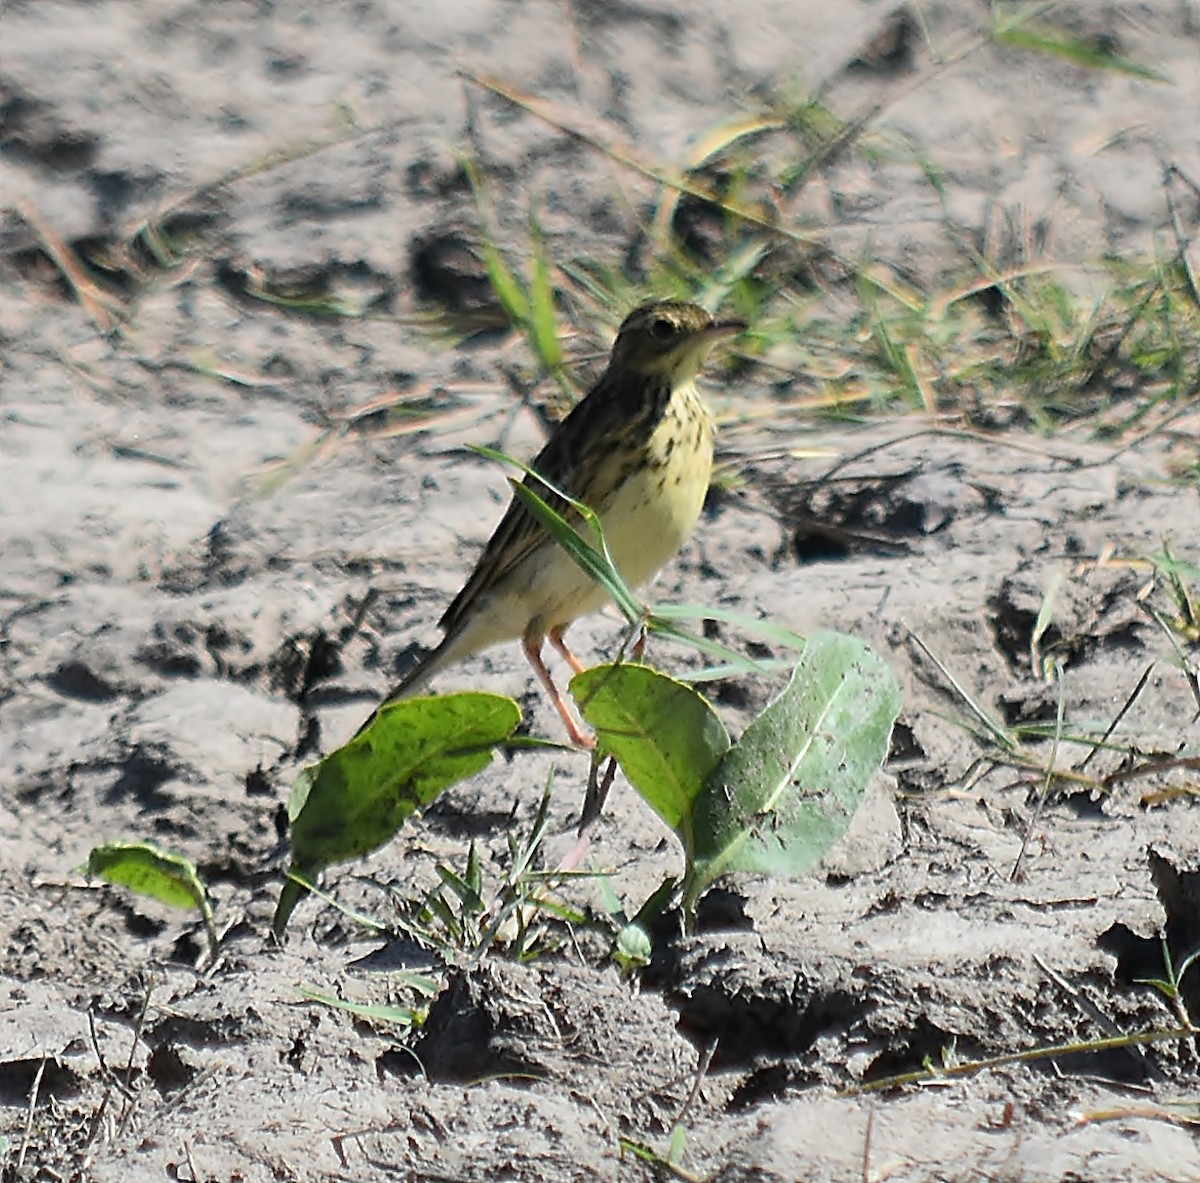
786,792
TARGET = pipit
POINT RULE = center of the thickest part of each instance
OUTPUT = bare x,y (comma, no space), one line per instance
638,450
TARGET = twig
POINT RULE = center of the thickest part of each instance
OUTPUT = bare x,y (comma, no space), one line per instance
105,310
1040,804
33,1096
1099,744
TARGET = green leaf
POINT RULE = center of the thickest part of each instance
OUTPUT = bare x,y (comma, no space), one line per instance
144,869
355,800
787,791
508,288
633,947
666,738
1079,52
543,321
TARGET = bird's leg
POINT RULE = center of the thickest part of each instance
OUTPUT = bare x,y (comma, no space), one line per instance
533,651
559,643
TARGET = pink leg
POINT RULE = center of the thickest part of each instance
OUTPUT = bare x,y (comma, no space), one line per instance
533,651
556,639
575,857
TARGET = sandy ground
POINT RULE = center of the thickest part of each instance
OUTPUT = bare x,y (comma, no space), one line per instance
176,643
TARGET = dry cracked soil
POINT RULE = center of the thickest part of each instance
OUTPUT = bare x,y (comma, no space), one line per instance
211,566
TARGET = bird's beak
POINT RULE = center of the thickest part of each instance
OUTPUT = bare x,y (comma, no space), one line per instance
724,328
699,347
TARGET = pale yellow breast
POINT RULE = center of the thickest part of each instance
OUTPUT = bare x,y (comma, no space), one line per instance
646,519
654,512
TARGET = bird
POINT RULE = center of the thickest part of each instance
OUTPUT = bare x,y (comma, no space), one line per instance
637,449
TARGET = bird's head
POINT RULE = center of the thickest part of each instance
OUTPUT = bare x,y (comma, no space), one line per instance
668,338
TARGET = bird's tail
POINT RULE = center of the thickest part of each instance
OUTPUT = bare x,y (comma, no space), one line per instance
428,666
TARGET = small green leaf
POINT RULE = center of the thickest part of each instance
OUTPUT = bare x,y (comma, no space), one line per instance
787,791
666,738
633,947
355,800
678,1145
144,869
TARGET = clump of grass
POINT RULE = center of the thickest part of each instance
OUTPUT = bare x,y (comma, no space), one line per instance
1177,582
1020,340
1062,756
464,917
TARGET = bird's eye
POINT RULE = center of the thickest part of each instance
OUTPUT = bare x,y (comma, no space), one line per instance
662,329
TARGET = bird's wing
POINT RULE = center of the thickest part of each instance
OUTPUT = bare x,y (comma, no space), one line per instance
583,457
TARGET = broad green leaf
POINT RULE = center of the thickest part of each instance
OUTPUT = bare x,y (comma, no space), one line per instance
787,791
143,868
355,800
666,738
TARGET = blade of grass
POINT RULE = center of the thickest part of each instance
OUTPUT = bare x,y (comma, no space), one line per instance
543,323
751,624
508,288
1033,1055
105,310
1017,33
593,557
626,156
1047,783
672,632
994,729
